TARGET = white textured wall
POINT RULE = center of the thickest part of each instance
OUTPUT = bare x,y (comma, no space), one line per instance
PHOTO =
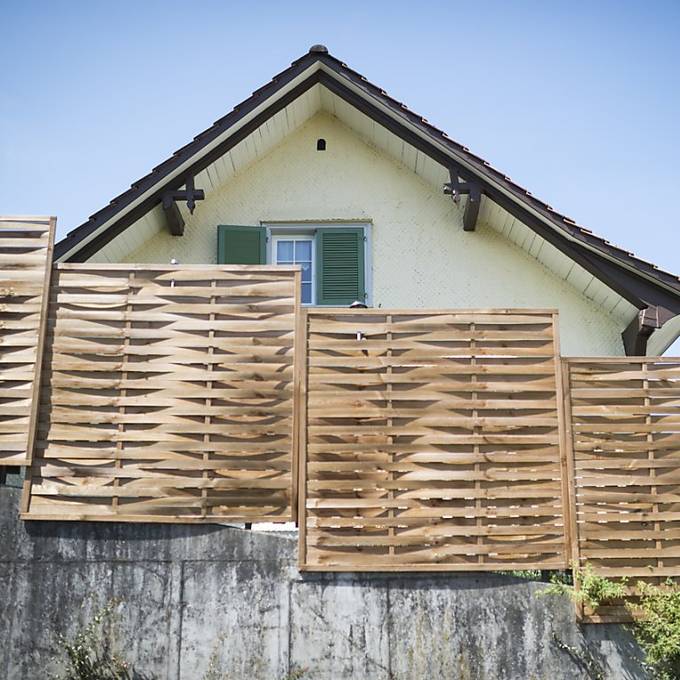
421,255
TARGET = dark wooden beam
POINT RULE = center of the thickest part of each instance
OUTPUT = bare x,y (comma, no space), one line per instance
173,217
189,194
472,208
454,187
639,330
161,172
473,190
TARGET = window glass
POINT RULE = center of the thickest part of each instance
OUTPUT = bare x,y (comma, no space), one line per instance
298,251
303,251
284,252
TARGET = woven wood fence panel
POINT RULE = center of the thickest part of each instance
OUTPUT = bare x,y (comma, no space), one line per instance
625,432
168,395
431,442
25,262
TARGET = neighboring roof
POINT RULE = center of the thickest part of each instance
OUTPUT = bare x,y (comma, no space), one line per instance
641,282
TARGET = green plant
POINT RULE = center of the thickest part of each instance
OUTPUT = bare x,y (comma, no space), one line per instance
587,588
88,654
526,574
657,628
656,623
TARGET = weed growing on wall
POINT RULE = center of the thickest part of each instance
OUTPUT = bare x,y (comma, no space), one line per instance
88,654
587,588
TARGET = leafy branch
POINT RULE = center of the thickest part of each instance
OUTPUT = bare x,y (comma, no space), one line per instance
587,587
656,614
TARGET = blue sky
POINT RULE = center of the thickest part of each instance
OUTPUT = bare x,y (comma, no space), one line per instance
577,101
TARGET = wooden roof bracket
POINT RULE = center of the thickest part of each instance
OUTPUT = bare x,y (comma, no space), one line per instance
173,217
639,330
455,188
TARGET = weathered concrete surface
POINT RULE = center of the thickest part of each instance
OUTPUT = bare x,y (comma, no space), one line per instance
190,593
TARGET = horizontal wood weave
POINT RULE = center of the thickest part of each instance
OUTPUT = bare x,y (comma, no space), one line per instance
431,441
168,394
25,262
625,419
625,434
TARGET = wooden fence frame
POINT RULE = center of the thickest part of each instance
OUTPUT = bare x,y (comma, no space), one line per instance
49,226
246,270
615,612
302,481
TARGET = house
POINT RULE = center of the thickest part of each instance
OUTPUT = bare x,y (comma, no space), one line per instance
322,168
444,428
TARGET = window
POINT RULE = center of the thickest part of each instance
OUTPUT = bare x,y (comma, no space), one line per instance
297,250
332,257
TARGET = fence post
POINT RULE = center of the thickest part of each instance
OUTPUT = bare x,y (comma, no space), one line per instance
569,486
299,358
300,409
566,450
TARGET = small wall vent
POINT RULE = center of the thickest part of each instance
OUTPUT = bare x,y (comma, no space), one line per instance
320,144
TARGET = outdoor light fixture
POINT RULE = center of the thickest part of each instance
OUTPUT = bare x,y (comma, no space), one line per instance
173,262
359,305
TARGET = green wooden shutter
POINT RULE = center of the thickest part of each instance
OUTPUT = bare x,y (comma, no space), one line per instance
241,245
340,266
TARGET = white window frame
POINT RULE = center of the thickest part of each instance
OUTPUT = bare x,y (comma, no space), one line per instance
280,230
298,236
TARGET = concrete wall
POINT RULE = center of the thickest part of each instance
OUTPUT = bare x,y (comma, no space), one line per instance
191,591
421,257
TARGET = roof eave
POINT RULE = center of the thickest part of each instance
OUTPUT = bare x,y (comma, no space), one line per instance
662,287
566,226
171,168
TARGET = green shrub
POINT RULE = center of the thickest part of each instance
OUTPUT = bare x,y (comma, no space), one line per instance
587,588
657,628
656,624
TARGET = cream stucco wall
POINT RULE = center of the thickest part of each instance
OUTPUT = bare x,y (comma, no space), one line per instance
421,257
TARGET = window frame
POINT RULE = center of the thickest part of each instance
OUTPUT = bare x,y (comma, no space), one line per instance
309,237
275,230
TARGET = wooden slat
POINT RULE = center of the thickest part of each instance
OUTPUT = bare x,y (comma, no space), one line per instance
26,246
431,441
167,395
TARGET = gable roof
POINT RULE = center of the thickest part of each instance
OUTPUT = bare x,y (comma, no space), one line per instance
653,291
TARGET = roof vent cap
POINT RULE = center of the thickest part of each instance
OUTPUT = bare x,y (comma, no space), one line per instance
322,49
